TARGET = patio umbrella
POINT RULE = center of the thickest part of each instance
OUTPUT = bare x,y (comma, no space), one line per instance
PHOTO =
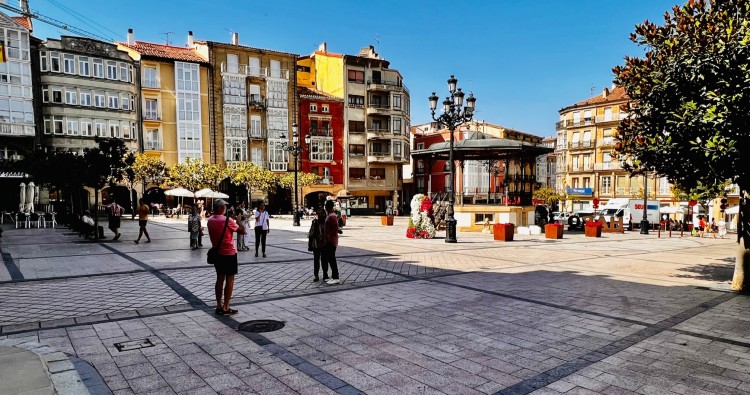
30,197
181,192
208,193
22,198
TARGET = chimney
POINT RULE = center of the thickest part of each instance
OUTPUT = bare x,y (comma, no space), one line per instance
190,42
235,38
131,39
323,47
605,93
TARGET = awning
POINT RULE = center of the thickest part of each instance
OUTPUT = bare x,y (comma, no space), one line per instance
343,194
733,210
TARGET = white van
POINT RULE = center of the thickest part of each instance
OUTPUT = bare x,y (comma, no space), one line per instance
615,208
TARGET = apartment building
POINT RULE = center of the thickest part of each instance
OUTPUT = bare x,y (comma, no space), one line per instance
17,117
88,90
174,85
376,122
252,102
587,166
546,166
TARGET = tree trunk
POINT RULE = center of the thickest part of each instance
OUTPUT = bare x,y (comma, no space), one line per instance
742,261
96,214
133,201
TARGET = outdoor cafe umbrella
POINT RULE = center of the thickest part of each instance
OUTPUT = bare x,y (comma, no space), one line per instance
208,193
22,198
30,197
181,193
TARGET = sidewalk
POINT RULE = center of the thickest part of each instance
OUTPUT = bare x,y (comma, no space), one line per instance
30,368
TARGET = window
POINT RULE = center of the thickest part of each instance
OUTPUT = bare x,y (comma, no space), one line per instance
480,218
99,100
123,72
69,63
187,76
356,150
586,138
377,174
114,101
256,156
235,150
313,108
57,94
254,64
152,139
608,114
356,76
233,63
114,129
587,162
575,162
111,70
54,61
356,127
71,126
71,97
83,66
126,130
606,185
396,149
255,126
98,68
86,128
356,173
397,126
278,158
587,116
149,77
379,148
255,94
321,149
151,109
420,145
576,117
101,128
234,90
324,108
586,182
57,123
397,101
43,61
45,94
126,102
188,107
664,188
356,101
275,68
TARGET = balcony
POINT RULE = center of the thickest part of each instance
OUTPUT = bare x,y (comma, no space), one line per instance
277,73
607,166
385,85
248,71
151,84
581,168
256,133
235,132
378,109
585,144
573,124
319,132
624,191
325,181
607,142
151,116
256,102
12,129
278,166
611,117
378,133
152,145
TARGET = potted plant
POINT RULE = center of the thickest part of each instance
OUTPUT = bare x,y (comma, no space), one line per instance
553,231
503,232
593,229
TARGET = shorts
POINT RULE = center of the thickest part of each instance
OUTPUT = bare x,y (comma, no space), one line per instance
114,222
227,265
142,222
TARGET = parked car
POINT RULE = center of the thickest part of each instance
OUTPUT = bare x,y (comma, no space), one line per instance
577,220
560,216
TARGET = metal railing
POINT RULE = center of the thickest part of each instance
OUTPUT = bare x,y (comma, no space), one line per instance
249,71
320,132
607,142
391,85
256,133
571,124
582,144
11,129
278,166
154,84
277,73
381,106
607,166
611,118
151,116
152,145
384,130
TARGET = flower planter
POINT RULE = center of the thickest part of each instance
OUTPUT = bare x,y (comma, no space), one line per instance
593,229
386,220
553,231
503,232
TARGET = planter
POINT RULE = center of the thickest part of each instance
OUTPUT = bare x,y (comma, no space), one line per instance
503,232
593,230
386,220
553,231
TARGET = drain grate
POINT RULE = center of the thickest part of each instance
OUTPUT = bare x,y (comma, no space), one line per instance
134,345
258,326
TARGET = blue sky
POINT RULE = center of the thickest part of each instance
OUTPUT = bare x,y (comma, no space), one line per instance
524,60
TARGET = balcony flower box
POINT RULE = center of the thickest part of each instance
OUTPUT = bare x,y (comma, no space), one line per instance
503,232
593,229
386,220
553,231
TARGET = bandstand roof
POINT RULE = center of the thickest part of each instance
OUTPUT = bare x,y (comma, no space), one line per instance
481,146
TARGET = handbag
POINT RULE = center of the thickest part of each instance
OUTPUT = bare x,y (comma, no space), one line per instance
213,252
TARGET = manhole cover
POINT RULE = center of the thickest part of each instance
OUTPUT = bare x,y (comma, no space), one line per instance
134,344
258,326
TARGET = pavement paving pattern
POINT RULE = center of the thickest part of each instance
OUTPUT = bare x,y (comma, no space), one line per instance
618,315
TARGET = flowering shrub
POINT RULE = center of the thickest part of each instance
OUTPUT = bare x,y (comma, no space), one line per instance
421,224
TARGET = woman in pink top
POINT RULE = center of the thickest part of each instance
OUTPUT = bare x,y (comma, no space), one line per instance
226,267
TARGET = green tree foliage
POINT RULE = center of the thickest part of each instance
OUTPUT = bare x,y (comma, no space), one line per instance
547,195
303,179
194,175
149,169
252,176
690,101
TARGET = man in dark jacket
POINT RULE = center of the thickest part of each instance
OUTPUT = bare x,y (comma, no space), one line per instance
330,242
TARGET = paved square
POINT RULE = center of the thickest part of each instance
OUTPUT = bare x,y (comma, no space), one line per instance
620,314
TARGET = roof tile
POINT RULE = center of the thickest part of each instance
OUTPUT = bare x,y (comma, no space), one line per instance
166,52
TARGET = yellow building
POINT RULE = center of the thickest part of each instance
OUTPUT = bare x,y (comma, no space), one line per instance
174,87
587,166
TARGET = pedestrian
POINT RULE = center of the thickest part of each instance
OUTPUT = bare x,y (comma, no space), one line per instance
89,226
242,218
702,226
330,242
114,214
713,228
220,229
315,244
143,211
261,228
722,228
194,227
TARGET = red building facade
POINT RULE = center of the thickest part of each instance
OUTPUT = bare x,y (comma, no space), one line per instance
321,116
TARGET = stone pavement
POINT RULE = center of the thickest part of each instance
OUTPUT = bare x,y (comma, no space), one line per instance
621,314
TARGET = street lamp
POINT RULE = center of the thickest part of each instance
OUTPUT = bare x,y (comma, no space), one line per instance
295,149
644,220
454,114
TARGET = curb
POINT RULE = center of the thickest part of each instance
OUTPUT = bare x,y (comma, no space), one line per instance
62,373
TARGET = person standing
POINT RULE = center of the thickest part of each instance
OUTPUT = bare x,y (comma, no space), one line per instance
143,211
722,228
194,227
315,244
330,242
261,228
220,229
702,224
114,214
242,218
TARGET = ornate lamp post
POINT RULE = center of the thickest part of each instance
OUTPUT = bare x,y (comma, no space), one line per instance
454,114
295,149
644,221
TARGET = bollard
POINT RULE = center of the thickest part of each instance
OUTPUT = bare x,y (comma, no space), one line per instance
670,232
658,232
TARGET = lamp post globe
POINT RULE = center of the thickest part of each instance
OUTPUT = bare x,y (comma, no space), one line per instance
453,115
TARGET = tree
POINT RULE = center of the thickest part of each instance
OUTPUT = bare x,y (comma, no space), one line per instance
303,180
194,175
252,176
103,165
145,169
547,195
690,104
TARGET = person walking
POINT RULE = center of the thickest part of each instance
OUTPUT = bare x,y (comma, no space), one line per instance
261,228
722,228
713,228
143,211
702,226
114,214
315,244
194,227
330,242
242,218
220,229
